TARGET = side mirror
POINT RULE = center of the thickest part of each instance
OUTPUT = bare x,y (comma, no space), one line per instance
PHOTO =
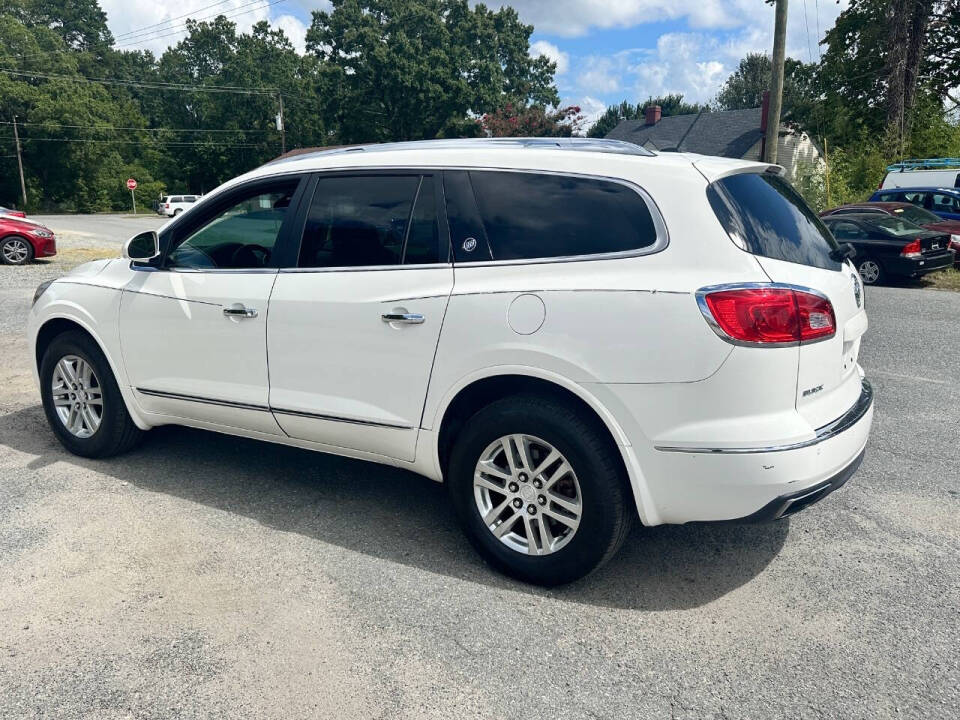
844,251
142,247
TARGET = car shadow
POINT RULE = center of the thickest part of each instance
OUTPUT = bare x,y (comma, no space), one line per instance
398,516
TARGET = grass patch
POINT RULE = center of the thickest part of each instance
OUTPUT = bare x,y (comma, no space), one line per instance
943,280
75,256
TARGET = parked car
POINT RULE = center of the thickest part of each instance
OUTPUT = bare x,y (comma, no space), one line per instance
912,213
173,205
943,202
11,213
571,334
22,240
891,247
911,177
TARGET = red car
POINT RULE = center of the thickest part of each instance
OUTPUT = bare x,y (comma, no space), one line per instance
909,212
15,213
22,240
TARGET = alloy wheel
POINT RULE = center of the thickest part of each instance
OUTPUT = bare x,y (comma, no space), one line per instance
77,396
527,494
869,272
15,251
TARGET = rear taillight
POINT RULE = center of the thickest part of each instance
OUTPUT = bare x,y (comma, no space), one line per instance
912,249
769,315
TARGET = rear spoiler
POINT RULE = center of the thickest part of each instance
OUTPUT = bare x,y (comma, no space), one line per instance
715,168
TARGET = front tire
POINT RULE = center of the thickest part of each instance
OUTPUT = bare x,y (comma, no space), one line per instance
15,250
871,271
81,398
539,489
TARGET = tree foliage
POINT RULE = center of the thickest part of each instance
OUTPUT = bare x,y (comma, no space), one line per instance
671,104
534,121
406,69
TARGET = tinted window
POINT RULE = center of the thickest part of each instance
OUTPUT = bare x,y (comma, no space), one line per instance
846,231
467,235
917,198
423,238
364,220
531,215
176,199
242,235
945,203
896,226
917,215
765,216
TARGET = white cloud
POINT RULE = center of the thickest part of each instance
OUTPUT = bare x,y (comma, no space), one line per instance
148,25
295,31
590,107
562,59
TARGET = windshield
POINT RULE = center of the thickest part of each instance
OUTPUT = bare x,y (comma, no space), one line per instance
764,215
916,215
896,226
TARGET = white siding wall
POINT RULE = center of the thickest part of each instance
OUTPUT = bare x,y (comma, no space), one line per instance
795,152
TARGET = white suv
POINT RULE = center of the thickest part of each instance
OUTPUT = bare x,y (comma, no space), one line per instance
173,205
570,334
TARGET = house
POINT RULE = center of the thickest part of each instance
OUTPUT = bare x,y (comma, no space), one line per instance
728,133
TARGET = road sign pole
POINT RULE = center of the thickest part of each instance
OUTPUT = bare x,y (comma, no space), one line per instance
134,201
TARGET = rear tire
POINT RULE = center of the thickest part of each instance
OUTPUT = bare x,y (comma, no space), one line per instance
538,543
871,271
15,250
74,368
177,211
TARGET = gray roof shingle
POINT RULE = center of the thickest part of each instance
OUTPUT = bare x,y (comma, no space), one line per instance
728,133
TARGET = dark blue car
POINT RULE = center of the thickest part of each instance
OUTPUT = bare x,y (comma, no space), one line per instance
944,202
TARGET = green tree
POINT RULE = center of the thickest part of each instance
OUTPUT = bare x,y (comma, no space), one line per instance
533,121
412,69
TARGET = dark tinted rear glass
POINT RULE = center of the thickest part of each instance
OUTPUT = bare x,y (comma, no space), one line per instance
531,215
765,216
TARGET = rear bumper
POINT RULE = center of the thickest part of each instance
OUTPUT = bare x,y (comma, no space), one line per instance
761,482
794,502
915,267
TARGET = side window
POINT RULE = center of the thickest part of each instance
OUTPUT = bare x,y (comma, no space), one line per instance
423,237
365,220
176,199
945,203
538,215
846,231
240,236
917,198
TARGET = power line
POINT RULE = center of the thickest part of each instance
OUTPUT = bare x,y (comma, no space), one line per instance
153,129
150,85
171,143
186,26
136,31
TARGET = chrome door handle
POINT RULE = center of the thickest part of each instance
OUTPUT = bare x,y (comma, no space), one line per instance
239,310
408,318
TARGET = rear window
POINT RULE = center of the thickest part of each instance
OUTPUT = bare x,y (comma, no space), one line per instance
765,216
916,215
895,226
535,215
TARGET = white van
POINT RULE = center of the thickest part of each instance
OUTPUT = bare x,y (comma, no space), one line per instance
940,172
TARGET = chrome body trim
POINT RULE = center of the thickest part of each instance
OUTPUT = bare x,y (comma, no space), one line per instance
702,293
830,430
267,408
336,418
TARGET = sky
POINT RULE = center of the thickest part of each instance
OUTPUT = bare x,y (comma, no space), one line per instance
606,50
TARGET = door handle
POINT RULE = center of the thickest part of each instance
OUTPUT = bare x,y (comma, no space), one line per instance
407,318
239,310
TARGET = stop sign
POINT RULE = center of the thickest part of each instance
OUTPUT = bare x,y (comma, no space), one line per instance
131,184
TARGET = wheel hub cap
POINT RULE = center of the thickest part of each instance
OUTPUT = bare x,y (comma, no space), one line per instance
77,396
16,251
527,494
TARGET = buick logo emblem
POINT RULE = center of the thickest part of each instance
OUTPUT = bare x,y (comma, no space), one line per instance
857,291
470,244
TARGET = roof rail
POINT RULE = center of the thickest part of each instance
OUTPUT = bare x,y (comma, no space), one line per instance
925,164
602,145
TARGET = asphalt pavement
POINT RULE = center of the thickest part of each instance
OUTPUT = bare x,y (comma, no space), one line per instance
208,576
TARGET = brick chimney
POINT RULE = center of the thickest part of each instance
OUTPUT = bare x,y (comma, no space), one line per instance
652,114
765,111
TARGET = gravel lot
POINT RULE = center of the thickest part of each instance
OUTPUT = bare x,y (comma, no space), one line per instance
208,576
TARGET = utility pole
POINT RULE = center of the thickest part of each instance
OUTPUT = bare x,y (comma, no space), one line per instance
23,185
776,82
281,126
